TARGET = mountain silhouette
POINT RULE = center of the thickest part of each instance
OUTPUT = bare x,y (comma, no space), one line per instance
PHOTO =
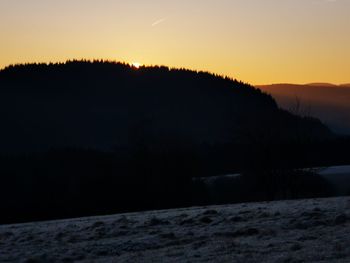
88,138
321,84
101,105
328,102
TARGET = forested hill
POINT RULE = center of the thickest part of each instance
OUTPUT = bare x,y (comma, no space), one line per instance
103,105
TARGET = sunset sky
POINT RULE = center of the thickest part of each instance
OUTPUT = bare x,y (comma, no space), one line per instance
257,41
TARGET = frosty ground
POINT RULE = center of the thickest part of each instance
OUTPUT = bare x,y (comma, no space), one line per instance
315,230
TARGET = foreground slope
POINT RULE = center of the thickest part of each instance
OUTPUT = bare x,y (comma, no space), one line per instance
314,230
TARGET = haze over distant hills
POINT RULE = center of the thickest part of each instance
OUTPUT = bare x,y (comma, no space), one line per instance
325,84
328,102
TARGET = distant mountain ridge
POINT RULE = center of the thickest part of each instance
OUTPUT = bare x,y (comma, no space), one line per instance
321,84
328,102
102,105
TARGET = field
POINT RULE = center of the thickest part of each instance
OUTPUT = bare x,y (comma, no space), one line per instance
314,230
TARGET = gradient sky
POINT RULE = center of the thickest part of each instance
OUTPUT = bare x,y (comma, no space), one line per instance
257,41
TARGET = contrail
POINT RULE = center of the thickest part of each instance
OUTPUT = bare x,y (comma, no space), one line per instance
159,21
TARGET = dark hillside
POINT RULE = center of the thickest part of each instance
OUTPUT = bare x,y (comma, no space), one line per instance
102,105
86,138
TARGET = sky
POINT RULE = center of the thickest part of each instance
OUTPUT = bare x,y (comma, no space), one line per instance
256,41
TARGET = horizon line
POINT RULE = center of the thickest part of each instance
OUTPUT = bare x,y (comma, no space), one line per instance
130,64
